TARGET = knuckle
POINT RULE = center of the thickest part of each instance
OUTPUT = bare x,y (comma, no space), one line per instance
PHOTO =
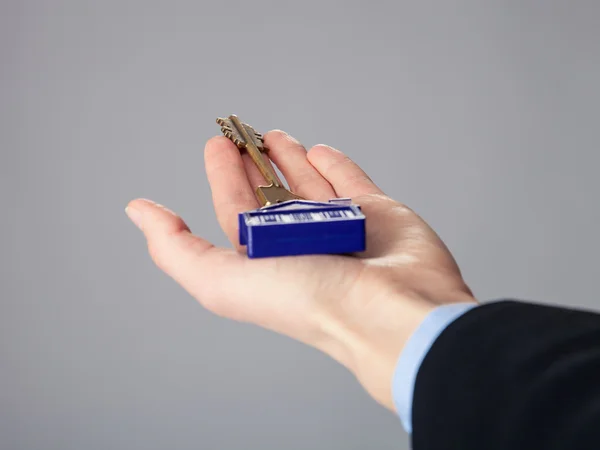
303,180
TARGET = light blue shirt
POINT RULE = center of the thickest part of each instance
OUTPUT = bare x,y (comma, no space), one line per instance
414,352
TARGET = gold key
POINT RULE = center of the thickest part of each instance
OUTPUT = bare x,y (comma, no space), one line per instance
246,138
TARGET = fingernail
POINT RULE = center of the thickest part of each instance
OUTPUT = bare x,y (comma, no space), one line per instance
286,135
328,147
135,216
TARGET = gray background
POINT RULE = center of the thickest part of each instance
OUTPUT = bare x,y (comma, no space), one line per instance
484,117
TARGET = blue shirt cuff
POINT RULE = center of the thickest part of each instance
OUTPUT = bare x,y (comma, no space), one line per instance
414,353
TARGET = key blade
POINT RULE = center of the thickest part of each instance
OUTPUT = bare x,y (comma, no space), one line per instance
232,132
246,138
272,194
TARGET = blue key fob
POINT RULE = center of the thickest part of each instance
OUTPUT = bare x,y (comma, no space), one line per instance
303,227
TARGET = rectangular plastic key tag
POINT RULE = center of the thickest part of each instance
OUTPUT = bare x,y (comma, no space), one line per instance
303,227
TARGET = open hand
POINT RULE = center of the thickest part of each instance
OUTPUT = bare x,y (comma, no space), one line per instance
358,309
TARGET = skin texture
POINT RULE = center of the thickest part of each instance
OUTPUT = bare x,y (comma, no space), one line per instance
359,309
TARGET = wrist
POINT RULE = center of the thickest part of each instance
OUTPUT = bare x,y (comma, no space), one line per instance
368,339
368,331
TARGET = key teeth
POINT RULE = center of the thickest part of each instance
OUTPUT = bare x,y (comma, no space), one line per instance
227,129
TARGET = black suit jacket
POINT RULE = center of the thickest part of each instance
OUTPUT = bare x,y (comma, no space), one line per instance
511,375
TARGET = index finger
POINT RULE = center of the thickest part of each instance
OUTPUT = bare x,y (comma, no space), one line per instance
232,192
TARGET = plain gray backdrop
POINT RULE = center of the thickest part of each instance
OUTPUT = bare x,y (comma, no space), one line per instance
482,116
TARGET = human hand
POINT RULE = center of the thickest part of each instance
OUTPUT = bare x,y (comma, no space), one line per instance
359,309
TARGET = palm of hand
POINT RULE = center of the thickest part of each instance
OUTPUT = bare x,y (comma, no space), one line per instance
359,310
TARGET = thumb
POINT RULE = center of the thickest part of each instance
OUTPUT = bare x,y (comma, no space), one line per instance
277,294
194,263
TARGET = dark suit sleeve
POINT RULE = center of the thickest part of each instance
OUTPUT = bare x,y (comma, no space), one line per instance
511,375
